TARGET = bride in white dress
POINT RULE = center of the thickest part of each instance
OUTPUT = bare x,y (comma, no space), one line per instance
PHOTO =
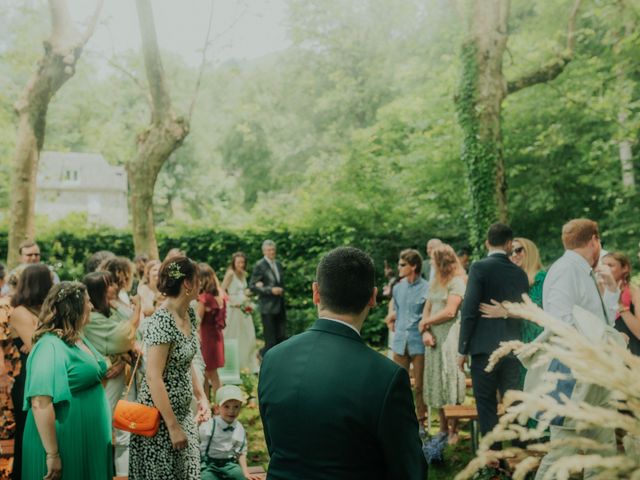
240,324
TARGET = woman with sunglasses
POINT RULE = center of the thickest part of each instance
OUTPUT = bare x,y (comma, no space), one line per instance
525,254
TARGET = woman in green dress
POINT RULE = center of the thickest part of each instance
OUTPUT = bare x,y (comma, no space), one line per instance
68,430
524,254
113,334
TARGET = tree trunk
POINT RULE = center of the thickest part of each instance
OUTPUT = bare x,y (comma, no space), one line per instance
482,90
479,106
625,93
61,52
626,158
154,146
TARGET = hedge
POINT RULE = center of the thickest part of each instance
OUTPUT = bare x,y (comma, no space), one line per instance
299,251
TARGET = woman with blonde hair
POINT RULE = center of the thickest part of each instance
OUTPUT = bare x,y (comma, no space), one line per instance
524,254
440,325
148,288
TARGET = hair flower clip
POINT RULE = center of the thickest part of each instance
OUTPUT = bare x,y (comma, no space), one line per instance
174,271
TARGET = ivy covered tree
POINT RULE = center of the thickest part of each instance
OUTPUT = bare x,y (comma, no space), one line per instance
483,88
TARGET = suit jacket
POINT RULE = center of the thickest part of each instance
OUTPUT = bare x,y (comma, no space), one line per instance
493,277
333,408
269,303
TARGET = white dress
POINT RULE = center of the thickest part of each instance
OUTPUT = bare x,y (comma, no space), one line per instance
240,325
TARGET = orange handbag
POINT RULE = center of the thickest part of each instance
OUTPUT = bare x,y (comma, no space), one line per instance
134,417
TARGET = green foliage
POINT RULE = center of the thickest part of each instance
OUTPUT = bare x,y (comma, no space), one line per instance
478,156
298,250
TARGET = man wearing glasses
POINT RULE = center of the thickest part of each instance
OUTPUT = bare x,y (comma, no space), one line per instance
30,253
405,312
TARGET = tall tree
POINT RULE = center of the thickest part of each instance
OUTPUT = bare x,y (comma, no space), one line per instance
61,53
482,90
159,140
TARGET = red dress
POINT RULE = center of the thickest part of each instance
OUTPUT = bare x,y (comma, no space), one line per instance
211,339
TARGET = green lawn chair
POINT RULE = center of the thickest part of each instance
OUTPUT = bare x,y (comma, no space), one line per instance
230,373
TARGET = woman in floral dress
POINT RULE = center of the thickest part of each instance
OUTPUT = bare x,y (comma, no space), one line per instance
440,324
170,381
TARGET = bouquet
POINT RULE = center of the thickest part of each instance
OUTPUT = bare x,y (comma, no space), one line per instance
246,307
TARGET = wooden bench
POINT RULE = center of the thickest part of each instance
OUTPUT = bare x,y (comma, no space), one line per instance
254,470
465,412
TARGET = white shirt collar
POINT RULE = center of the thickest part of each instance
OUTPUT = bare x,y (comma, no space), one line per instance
343,323
579,260
497,251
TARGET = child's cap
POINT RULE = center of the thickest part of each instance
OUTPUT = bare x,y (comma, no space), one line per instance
229,392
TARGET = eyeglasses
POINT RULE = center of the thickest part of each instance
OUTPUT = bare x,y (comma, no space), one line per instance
517,251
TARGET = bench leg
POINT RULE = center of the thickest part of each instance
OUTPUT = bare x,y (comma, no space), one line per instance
473,430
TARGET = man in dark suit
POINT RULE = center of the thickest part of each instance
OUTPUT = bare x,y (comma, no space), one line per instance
266,281
333,408
492,278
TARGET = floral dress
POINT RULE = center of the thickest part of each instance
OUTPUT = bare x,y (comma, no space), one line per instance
153,458
443,380
12,368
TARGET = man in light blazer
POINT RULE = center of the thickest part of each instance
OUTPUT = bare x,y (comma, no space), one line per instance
332,407
268,283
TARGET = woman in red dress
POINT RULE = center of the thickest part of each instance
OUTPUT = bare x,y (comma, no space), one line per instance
212,311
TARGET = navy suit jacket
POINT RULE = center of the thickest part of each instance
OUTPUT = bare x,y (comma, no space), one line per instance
333,408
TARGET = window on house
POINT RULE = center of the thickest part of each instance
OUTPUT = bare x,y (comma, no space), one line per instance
70,176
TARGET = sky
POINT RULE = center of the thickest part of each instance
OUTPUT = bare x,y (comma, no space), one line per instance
241,29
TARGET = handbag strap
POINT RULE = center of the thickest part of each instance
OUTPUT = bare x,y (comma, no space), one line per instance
133,376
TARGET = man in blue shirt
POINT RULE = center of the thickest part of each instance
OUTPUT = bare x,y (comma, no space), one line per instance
409,297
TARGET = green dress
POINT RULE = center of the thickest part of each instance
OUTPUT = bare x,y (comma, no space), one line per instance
531,330
71,377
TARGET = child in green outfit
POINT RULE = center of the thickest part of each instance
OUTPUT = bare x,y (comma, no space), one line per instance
223,441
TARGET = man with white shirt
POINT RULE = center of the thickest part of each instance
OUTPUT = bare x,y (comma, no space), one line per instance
576,279
332,407
267,282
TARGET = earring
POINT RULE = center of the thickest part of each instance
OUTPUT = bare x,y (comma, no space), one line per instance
188,291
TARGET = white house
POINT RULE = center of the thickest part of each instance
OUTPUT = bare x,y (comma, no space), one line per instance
82,182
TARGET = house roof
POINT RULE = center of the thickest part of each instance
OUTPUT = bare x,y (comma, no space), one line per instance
79,171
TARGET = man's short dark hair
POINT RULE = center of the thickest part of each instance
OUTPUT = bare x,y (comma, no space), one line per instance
499,234
346,279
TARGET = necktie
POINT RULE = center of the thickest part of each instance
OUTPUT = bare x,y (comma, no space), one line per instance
604,310
275,269
228,429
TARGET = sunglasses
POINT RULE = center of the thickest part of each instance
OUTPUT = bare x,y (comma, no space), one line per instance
517,251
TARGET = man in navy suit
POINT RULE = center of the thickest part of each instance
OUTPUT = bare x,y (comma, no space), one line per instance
494,277
331,407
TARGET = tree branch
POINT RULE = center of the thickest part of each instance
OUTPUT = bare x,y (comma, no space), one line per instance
202,64
131,77
554,68
161,101
93,22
